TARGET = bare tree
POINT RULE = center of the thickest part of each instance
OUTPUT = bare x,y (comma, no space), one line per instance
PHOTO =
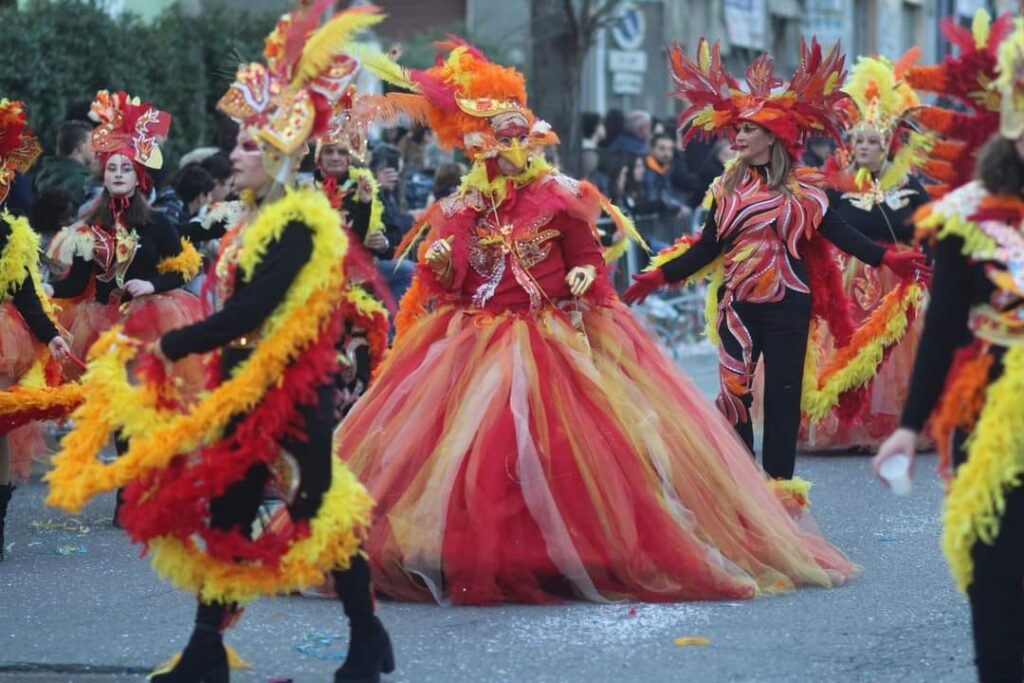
563,33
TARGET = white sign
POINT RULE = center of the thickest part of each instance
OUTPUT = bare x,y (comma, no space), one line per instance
625,83
628,32
627,60
967,8
747,23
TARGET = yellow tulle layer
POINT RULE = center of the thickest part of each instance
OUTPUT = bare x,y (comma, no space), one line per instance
335,536
995,464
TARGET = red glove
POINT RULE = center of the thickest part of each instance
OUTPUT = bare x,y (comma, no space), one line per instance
643,285
908,265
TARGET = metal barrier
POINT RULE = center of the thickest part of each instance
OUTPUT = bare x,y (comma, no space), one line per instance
676,316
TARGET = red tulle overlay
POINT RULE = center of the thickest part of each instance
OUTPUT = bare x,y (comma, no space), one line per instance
146,318
869,414
176,501
514,459
28,444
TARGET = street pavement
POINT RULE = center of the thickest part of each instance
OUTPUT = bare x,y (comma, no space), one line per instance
78,604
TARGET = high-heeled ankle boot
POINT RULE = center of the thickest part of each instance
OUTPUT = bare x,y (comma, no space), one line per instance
369,649
5,498
204,660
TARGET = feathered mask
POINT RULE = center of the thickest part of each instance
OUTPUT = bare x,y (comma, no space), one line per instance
470,102
308,69
18,146
965,78
130,127
809,104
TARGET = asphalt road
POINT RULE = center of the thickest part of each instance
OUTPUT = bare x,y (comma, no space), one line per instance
96,612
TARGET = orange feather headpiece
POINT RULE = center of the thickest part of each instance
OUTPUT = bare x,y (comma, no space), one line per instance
18,145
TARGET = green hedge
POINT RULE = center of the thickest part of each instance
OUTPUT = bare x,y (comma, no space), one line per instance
58,53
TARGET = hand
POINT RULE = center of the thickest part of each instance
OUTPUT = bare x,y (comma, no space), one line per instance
139,288
157,351
643,285
365,190
439,256
902,441
387,178
47,289
59,348
580,279
908,265
376,241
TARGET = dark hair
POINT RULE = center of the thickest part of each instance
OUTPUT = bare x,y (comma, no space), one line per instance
218,166
446,179
137,216
589,122
70,135
192,181
1000,168
614,124
225,134
52,209
384,155
657,137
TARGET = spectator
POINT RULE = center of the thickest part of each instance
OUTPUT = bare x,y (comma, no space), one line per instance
72,167
447,180
659,193
436,155
817,151
414,148
614,124
592,129
634,136
52,209
196,156
220,169
386,165
658,127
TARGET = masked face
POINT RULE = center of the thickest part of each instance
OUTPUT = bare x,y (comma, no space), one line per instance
334,160
119,176
868,149
247,164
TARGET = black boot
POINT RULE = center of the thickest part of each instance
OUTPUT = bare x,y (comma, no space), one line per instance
204,660
5,497
369,647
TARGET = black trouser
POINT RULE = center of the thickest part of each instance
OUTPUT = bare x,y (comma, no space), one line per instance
779,332
238,506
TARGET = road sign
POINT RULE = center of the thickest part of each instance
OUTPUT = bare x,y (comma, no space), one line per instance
629,31
634,61
625,83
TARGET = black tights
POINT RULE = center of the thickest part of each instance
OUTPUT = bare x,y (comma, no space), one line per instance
779,331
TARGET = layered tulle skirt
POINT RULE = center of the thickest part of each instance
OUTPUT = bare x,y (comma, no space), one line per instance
19,349
514,458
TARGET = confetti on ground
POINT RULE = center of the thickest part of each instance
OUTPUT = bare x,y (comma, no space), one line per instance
632,611
691,640
885,538
71,550
317,643
72,525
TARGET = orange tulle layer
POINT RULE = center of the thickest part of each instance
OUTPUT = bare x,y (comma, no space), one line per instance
18,346
887,393
513,460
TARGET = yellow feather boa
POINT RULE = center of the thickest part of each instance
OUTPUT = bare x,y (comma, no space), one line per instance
995,464
187,262
20,259
376,205
886,326
316,292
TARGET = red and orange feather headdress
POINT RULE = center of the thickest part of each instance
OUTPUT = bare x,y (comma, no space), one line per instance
130,127
810,103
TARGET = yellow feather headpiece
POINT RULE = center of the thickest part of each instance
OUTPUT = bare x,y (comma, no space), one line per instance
879,94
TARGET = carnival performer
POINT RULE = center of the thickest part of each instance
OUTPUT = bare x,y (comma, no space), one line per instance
969,377
125,263
764,241
29,339
196,478
539,445
354,193
873,187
